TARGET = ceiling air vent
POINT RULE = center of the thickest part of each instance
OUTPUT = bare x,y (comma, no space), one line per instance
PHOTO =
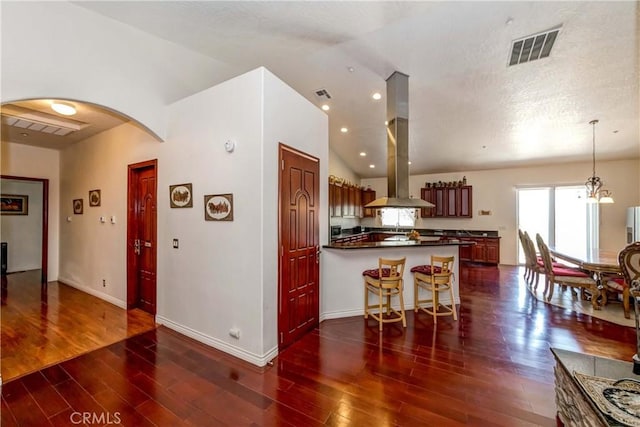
322,94
41,122
533,47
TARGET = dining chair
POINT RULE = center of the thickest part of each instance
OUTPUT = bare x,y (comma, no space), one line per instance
528,272
535,262
434,278
386,281
617,284
629,260
564,275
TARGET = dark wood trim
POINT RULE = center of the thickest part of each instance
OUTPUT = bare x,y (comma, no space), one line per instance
131,259
44,260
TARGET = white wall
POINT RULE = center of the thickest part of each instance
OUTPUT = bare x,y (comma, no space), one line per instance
92,58
31,162
224,274
292,120
213,282
495,190
92,251
23,233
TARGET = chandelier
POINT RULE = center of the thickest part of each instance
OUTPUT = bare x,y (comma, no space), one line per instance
595,192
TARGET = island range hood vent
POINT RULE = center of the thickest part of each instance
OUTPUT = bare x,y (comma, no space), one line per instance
398,147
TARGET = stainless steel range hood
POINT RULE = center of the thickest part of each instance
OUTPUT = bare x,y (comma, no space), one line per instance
398,147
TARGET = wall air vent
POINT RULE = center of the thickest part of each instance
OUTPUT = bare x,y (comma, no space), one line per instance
322,94
41,122
533,47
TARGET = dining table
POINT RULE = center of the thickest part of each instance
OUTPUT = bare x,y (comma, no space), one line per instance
595,260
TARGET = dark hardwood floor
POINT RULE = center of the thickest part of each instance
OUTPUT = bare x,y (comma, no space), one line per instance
41,326
491,367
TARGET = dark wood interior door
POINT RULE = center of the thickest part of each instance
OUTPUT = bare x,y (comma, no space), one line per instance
298,287
141,237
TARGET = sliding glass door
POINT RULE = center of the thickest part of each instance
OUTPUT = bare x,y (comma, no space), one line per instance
561,215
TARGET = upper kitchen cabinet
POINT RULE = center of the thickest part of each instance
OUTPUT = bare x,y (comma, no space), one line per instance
449,201
335,200
347,200
368,196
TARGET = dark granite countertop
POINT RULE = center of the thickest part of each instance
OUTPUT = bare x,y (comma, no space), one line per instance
443,234
396,243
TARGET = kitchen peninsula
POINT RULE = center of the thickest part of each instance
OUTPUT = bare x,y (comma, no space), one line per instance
343,289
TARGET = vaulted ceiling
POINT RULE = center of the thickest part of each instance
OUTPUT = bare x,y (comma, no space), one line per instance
469,109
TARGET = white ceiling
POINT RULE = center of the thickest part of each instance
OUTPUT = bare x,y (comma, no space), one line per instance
468,109
93,120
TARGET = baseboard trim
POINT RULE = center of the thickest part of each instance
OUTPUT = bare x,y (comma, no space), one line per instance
360,312
113,300
240,353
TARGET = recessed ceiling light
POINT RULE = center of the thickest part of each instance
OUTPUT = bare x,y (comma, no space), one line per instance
386,123
63,108
351,69
325,107
409,162
344,130
362,154
372,166
376,96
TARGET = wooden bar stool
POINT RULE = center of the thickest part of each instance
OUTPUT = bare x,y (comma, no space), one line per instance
434,278
385,281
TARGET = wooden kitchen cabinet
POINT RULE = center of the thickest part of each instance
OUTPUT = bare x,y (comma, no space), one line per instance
486,250
465,198
368,196
450,202
335,200
428,194
492,253
465,251
358,203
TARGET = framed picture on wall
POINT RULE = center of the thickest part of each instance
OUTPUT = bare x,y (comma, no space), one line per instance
14,204
180,196
218,207
94,198
77,206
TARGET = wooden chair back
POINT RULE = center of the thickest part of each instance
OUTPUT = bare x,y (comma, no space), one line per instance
544,253
445,264
629,260
391,271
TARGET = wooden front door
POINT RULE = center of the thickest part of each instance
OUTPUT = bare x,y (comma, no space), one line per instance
141,236
298,283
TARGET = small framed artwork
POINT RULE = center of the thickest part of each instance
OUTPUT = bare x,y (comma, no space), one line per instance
14,204
218,207
94,198
77,206
180,196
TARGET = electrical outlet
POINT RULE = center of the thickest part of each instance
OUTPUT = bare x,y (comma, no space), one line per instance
104,283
